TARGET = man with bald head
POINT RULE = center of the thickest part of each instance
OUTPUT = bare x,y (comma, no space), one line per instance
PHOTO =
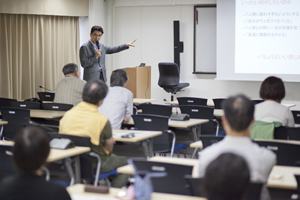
85,120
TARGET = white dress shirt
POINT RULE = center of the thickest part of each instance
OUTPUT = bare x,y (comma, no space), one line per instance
260,160
117,104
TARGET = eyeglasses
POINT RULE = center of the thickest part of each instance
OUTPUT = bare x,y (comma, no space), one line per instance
95,35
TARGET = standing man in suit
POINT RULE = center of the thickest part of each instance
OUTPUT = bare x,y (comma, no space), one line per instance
92,55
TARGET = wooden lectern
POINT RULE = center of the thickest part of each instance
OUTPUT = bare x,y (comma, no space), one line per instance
139,81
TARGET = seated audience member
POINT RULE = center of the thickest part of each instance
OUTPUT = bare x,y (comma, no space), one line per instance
118,104
272,91
226,178
238,118
85,120
30,152
69,89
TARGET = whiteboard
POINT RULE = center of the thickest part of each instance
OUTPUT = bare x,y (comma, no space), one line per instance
205,39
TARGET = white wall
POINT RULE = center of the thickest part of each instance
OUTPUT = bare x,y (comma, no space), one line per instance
152,23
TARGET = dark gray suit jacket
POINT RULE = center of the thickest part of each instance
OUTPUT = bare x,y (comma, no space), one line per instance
91,64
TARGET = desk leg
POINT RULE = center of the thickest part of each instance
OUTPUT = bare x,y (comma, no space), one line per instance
195,152
148,147
77,169
194,133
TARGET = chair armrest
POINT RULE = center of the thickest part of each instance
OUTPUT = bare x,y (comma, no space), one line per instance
173,141
92,154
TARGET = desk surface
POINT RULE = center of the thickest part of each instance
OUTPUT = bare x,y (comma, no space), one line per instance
57,154
3,122
47,114
180,124
283,177
140,101
78,189
139,135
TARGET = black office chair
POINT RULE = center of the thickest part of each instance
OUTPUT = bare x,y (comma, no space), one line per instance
6,165
173,182
5,102
46,96
296,115
161,143
25,105
86,160
297,177
17,118
154,109
169,78
287,154
281,133
202,112
191,101
218,102
208,140
57,106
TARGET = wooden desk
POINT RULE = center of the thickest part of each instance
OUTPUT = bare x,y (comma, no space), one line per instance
191,123
283,177
78,189
140,101
57,154
46,114
140,136
3,122
209,102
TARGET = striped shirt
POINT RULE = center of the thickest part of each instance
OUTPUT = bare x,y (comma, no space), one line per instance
69,90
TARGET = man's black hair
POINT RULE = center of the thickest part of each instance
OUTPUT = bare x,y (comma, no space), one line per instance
118,78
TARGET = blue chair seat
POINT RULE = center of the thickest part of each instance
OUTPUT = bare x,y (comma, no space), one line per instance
107,174
179,146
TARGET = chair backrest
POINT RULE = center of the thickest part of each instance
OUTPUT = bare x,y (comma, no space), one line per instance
154,123
25,104
198,112
287,154
195,185
191,101
46,96
5,102
16,119
57,106
82,141
253,191
281,133
256,101
151,122
218,102
6,165
297,176
294,133
201,112
173,182
209,140
154,109
168,74
296,115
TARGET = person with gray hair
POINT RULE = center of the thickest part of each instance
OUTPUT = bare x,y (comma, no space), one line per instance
69,89
239,116
118,104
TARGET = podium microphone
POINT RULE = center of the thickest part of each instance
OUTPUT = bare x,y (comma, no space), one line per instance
178,117
46,89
